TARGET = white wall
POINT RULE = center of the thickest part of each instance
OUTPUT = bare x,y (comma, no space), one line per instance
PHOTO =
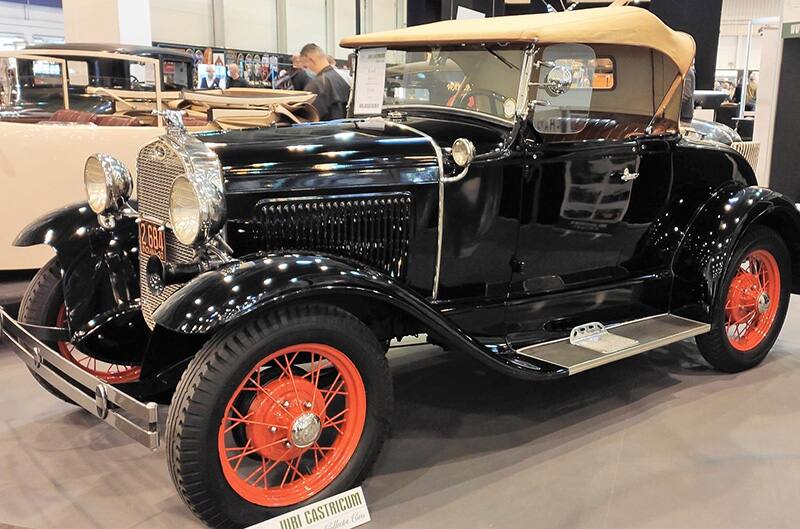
183,21
383,15
344,25
30,23
305,22
251,25
245,24
732,52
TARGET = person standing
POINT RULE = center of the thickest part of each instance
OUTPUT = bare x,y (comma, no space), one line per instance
298,75
235,79
752,93
332,90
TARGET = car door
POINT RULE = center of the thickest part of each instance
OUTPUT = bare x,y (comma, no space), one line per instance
584,247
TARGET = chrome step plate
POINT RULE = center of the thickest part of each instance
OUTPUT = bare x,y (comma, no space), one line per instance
627,339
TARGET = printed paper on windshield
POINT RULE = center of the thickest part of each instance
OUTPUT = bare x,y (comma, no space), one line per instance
370,81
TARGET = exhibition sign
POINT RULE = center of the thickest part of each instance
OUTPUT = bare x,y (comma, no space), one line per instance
343,511
791,30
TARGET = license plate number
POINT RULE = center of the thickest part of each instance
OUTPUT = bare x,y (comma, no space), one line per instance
152,240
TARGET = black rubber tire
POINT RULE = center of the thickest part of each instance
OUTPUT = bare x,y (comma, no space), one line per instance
40,305
715,346
207,384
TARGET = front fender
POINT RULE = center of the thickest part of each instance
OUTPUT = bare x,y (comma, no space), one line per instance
98,265
217,298
707,247
221,297
72,224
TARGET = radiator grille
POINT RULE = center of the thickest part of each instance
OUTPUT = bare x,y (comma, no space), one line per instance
157,166
372,229
750,150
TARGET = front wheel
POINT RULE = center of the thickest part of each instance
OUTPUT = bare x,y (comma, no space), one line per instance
277,412
752,304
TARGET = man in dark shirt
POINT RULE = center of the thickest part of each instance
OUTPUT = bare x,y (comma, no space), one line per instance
235,79
332,90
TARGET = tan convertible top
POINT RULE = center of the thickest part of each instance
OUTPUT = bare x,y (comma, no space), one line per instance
630,26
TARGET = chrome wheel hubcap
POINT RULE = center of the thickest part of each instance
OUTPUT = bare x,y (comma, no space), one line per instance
305,430
763,303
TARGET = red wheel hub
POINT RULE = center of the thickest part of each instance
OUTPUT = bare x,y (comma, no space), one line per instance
292,425
753,300
111,373
289,406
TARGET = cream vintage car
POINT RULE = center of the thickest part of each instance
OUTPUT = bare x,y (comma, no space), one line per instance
62,103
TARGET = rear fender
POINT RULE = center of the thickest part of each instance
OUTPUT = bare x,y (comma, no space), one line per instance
222,297
708,245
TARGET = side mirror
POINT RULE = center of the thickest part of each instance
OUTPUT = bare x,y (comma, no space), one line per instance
559,80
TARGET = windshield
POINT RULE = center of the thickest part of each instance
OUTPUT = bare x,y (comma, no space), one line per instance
481,80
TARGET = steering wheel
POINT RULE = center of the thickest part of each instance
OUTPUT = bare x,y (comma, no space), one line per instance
135,80
104,92
468,100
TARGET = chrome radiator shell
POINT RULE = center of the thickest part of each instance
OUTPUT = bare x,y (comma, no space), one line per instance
159,163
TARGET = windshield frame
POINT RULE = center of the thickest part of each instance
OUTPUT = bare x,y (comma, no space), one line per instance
525,71
41,57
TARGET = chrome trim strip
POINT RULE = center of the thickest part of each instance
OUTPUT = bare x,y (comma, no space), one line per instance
440,162
524,81
463,111
136,419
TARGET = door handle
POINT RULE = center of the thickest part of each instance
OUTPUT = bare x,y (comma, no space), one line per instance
628,176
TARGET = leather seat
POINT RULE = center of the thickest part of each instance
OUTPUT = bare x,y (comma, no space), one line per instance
116,121
609,127
65,115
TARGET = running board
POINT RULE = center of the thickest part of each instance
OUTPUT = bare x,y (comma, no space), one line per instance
593,345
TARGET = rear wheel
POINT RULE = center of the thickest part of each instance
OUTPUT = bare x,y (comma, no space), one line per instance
752,304
43,304
278,412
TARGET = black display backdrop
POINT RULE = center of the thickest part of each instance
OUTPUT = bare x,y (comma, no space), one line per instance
700,19
784,175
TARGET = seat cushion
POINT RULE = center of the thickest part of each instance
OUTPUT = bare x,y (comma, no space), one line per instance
116,121
64,115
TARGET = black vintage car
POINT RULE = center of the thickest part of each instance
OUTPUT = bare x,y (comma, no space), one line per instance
540,219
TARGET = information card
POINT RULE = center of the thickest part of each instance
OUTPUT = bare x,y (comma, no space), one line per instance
343,511
370,82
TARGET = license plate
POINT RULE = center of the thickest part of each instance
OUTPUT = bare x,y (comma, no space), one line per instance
152,240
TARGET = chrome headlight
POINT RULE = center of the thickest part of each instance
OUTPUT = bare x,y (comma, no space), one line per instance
108,182
196,210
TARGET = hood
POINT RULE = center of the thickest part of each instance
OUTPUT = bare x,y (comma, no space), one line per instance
320,149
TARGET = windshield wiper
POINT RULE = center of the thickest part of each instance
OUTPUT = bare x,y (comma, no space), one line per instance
503,60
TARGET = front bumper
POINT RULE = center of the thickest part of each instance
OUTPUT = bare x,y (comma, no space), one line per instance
136,419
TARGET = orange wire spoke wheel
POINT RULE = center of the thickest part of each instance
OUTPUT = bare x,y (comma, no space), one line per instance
753,300
292,425
107,372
